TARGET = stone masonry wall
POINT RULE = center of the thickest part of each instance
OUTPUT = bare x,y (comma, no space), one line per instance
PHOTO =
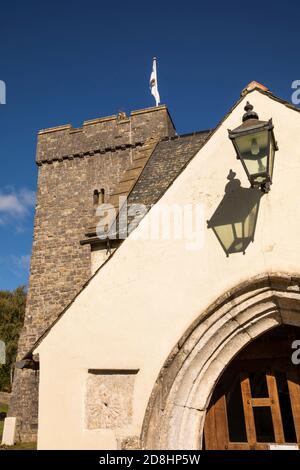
72,164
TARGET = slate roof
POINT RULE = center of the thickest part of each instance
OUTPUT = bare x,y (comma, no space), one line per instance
165,164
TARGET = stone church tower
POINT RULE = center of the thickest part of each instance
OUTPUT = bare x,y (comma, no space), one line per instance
77,170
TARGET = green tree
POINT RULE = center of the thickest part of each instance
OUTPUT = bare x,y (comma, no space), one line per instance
12,310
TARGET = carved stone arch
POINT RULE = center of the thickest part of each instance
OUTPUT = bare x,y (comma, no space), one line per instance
176,410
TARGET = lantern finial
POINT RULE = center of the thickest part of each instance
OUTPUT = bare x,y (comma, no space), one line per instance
249,114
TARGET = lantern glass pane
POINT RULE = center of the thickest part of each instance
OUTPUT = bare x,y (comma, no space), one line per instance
253,149
239,232
272,154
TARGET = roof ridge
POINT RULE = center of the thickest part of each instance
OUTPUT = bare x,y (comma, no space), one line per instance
188,134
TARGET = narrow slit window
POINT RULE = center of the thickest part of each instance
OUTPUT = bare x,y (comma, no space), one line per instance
102,195
96,197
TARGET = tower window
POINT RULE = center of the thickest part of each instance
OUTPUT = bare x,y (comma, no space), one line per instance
98,196
102,194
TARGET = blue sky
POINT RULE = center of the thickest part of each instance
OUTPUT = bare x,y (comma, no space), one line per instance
68,61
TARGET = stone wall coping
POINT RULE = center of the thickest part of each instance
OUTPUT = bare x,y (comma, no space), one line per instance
63,127
89,122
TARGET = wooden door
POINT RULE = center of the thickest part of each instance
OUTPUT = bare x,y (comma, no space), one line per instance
256,404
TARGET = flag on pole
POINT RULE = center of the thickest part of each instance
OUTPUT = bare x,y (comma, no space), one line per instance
153,83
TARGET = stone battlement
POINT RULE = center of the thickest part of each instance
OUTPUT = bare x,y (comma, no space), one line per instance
105,134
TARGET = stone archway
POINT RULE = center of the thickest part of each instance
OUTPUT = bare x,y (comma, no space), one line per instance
176,411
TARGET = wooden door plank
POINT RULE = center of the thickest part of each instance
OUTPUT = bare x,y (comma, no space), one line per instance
216,428
294,390
238,446
222,434
209,429
261,402
248,411
275,408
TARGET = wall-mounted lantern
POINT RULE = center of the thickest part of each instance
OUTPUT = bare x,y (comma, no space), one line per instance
255,144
